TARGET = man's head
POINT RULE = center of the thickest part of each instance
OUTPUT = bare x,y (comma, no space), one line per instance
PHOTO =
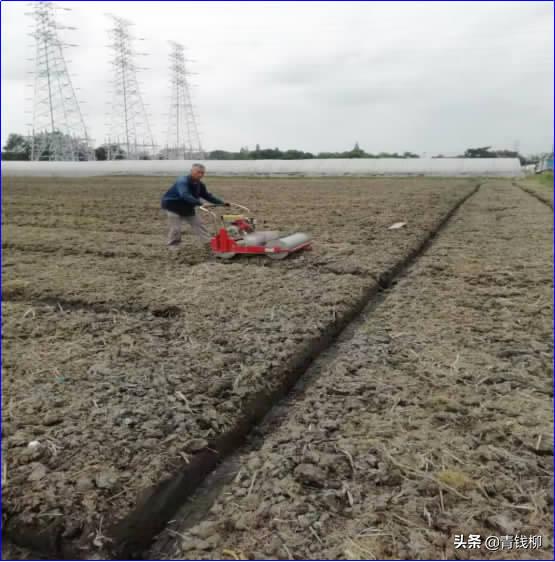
197,171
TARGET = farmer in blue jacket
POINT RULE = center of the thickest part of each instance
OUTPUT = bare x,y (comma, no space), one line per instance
180,201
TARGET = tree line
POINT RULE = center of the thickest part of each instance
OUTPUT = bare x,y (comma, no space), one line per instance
18,147
292,154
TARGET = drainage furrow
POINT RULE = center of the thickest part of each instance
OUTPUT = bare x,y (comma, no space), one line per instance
133,535
78,305
417,389
531,192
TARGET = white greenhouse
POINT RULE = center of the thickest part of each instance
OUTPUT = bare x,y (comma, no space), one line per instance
506,167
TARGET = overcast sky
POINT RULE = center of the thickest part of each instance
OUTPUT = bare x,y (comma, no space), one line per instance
427,77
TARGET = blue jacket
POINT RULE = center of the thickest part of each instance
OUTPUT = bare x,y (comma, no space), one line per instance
186,191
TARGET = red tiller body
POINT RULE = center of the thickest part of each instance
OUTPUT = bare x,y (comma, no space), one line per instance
232,236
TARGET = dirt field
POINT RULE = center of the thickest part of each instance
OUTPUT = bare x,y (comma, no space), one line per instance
126,362
431,418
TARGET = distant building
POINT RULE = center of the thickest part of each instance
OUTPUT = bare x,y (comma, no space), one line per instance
545,164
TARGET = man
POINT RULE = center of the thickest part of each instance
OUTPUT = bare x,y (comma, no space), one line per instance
180,201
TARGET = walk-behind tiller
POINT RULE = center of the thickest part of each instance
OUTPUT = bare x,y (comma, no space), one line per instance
236,234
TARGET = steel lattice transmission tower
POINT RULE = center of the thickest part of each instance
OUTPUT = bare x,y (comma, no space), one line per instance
183,133
129,126
58,128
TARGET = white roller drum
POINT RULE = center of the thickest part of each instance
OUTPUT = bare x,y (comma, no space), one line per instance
287,243
260,238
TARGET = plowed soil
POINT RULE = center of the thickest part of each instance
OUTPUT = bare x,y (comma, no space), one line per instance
122,361
431,418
